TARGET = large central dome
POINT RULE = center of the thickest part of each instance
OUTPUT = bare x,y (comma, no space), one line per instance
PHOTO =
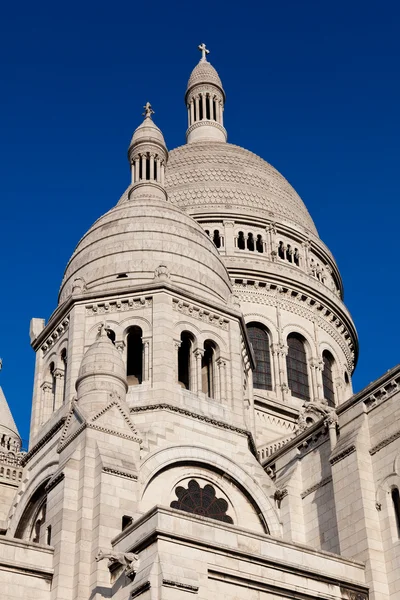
215,175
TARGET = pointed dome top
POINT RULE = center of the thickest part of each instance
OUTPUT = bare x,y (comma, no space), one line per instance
204,73
7,423
148,130
102,359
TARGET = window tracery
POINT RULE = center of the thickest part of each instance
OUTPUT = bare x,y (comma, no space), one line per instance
201,501
262,378
297,367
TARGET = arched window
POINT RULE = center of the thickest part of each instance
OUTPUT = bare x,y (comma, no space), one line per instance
64,362
241,241
250,242
396,506
259,244
260,341
289,253
327,378
53,384
281,250
184,359
207,369
201,501
217,238
134,363
296,257
297,369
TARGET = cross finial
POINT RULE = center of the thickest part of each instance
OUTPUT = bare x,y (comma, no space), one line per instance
204,51
148,111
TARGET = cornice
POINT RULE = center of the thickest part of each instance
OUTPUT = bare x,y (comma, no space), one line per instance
193,415
43,441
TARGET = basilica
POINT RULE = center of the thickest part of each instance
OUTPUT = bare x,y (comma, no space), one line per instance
194,433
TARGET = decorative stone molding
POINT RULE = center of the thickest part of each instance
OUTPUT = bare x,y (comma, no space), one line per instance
144,587
301,304
315,487
383,393
43,441
199,313
188,413
162,273
55,335
119,473
385,442
124,305
54,481
316,439
341,455
181,586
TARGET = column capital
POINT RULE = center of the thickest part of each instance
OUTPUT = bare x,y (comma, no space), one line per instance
120,345
198,353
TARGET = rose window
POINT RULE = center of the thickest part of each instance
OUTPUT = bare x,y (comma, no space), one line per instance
201,501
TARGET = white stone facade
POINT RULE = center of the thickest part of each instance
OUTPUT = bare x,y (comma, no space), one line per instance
194,431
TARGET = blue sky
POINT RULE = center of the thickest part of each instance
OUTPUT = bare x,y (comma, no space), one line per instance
312,86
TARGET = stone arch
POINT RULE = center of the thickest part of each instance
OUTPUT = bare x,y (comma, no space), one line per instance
268,323
213,461
295,328
40,480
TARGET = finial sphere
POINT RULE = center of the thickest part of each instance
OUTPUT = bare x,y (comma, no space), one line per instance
204,51
148,111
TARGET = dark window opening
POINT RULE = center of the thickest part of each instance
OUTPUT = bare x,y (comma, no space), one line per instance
64,361
250,242
241,241
207,370
140,167
184,359
289,254
201,501
111,335
259,339
126,521
122,275
207,232
281,250
296,257
208,100
396,506
259,244
200,108
147,167
346,378
214,110
297,368
217,238
48,535
155,169
327,378
134,366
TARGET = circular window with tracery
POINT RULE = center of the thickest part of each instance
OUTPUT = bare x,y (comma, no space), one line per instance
201,501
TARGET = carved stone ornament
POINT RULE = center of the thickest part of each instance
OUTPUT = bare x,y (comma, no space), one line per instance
311,412
128,560
162,273
79,286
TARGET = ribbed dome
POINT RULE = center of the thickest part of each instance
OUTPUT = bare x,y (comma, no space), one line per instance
204,72
218,177
127,246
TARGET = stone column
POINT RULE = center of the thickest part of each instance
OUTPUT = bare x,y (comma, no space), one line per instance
203,104
46,401
143,159
177,345
158,163
59,388
152,156
162,173
191,118
146,360
221,366
197,103
137,169
229,237
331,423
198,355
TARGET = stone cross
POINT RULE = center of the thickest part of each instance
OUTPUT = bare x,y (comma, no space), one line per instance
148,111
203,51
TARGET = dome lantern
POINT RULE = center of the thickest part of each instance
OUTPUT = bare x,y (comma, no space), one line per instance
148,156
205,99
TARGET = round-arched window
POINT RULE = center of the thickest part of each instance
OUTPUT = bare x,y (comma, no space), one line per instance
297,368
327,378
259,339
201,501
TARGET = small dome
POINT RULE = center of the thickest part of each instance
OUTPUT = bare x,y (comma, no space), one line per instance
204,72
148,132
102,359
140,241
